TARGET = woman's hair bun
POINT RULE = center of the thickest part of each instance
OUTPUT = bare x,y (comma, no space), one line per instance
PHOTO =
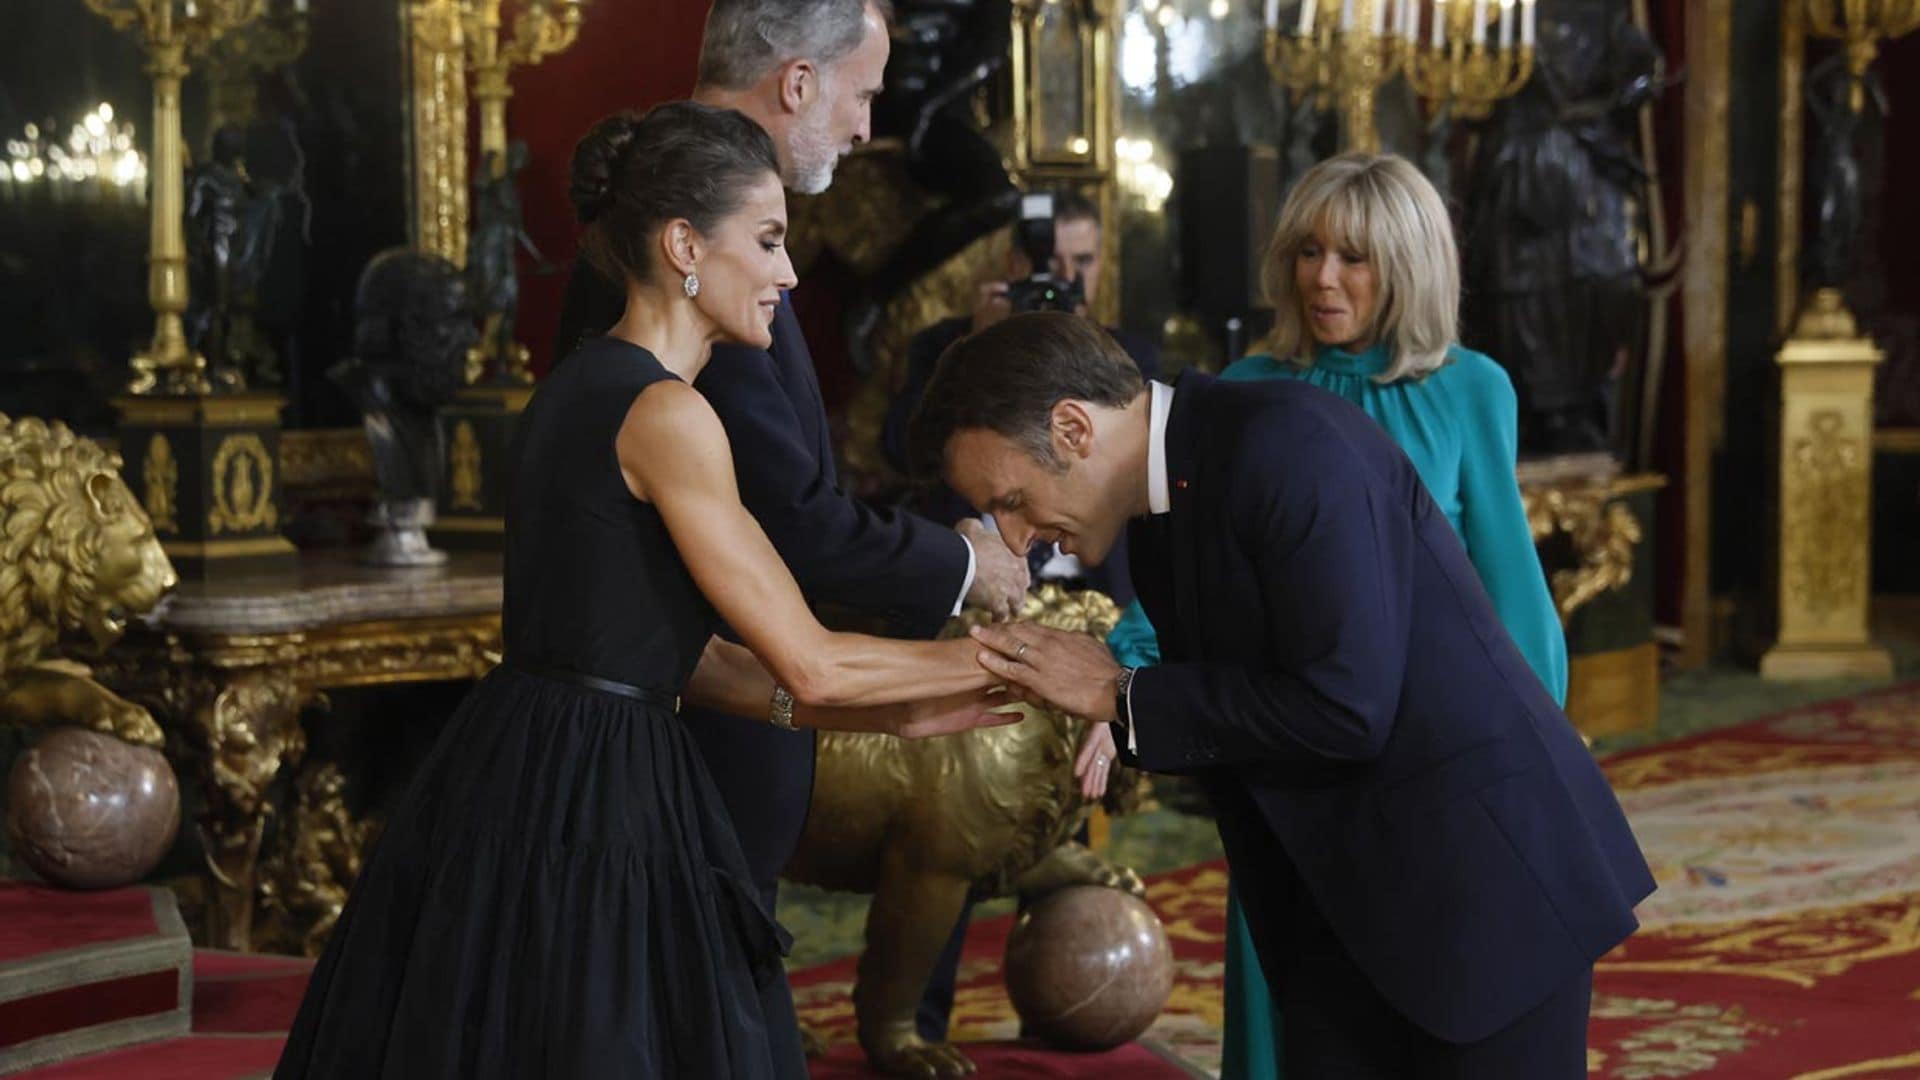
596,164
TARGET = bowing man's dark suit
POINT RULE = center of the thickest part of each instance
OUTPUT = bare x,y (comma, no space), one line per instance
839,549
1421,841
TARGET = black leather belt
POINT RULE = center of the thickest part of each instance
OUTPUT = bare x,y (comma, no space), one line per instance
595,682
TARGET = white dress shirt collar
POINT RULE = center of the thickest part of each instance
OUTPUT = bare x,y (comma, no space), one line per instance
1159,499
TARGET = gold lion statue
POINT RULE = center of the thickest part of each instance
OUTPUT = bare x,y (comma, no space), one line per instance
77,553
920,824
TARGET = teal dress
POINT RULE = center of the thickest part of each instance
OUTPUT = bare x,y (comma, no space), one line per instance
1460,427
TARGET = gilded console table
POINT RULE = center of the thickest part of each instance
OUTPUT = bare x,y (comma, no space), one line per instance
226,666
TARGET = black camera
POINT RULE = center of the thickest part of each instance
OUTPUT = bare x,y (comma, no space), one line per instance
1033,233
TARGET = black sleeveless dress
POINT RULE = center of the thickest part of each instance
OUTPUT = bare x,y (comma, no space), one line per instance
561,893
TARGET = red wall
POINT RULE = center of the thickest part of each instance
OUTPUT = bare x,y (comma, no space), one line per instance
631,54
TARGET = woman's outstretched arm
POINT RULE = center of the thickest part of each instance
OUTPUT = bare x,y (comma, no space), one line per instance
674,454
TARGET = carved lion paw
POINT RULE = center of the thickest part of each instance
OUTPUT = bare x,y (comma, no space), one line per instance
1123,878
912,1056
57,692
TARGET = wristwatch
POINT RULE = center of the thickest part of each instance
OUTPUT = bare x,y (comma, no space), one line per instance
1122,709
781,712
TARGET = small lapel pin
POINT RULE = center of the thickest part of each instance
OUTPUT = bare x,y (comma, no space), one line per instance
1181,484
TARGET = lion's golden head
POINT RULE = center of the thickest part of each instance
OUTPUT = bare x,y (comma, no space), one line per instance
76,551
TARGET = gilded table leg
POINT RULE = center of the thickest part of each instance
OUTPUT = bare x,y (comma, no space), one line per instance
247,725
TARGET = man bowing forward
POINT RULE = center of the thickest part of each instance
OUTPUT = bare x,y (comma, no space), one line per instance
1430,860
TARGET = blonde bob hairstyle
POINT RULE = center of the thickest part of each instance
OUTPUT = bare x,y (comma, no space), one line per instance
1380,207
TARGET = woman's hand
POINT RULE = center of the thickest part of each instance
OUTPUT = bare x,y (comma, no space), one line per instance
956,713
1095,763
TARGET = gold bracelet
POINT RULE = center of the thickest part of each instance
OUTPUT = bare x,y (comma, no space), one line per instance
782,711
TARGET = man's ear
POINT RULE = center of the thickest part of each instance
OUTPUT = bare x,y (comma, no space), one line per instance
1072,430
799,86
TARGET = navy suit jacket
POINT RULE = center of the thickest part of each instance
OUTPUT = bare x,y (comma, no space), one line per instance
1337,679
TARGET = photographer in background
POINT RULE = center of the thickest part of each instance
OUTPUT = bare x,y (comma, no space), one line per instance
1053,264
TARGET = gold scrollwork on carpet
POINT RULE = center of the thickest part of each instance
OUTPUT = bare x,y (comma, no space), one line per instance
1723,758
242,486
1188,907
1799,949
160,476
1875,1067
1827,506
463,459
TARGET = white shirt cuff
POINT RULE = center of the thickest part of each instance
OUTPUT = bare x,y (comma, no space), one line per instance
1133,745
966,583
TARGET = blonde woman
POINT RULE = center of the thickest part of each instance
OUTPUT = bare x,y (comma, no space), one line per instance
1364,279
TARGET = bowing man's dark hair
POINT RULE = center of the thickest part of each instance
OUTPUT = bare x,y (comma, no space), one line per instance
632,174
1007,379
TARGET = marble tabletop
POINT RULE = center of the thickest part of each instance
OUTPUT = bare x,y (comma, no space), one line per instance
328,589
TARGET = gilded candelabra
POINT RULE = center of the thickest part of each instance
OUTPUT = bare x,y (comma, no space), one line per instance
1468,59
1347,55
1860,25
236,62
1458,66
540,29
170,30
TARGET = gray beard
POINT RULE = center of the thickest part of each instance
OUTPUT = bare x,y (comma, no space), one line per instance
814,158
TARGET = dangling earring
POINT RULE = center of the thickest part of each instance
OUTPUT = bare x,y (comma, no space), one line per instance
691,285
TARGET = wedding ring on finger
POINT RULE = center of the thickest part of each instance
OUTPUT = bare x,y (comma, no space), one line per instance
1021,652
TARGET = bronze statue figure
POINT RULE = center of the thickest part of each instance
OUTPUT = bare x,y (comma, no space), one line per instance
1555,284
1837,188
233,222
493,278
413,330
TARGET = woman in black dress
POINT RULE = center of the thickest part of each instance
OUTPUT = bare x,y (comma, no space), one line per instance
561,893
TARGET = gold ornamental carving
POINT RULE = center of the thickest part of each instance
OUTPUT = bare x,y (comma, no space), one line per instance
1602,529
240,57
463,458
161,477
438,110
304,882
77,554
329,461
242,486
1827,510
238,698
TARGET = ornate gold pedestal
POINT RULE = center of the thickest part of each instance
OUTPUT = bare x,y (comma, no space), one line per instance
228,667
470,509
206,469
1826,463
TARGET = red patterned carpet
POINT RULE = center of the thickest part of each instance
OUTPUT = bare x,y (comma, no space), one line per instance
1785,939
1784,943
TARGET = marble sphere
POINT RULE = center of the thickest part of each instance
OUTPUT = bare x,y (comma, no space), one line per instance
1088,967
89,811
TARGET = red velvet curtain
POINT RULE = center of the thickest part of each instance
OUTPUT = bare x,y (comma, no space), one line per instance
630,55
